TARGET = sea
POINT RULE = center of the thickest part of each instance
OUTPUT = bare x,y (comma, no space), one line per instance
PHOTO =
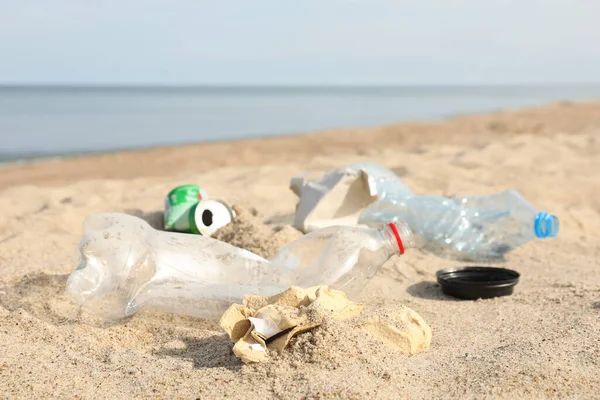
57,121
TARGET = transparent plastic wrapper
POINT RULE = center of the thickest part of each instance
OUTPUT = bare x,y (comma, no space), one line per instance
469,228
126,266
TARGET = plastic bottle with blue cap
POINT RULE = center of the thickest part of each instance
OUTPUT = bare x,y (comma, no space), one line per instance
465,228
471,227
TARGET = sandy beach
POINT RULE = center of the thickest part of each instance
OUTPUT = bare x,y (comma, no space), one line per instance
541,342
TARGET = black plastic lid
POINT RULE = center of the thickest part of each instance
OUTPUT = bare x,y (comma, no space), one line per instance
477,282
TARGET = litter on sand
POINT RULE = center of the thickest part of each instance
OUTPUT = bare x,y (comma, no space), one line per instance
267,324
461,227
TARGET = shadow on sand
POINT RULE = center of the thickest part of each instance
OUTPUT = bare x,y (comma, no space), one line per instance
428,290
156,219
43,296
211,352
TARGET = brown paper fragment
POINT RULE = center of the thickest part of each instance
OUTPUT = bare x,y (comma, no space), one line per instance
294,297
271,322
336,302
249,349
235,321
281,342
401,329
256,331
283,318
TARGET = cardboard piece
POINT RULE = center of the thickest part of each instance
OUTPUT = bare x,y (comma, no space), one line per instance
402,329
337,198
280,318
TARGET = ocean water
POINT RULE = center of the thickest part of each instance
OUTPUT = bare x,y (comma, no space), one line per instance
56,121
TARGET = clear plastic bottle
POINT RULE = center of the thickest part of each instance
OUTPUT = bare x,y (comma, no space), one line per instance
127,266
467,228
345,258
470,228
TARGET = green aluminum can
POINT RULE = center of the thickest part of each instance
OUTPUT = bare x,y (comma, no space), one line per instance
179,201
205,217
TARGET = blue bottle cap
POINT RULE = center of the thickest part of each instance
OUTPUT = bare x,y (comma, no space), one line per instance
546,225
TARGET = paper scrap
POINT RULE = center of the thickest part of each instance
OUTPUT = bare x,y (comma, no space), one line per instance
280,318
401,329
264,324
337,198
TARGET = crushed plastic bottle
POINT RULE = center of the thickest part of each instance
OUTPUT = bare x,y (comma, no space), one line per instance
126,266
468,228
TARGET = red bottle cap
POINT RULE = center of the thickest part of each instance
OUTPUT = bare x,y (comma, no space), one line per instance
397,235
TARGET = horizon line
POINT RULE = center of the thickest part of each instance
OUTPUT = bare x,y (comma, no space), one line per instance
117,85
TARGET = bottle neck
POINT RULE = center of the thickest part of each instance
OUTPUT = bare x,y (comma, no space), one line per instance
398,237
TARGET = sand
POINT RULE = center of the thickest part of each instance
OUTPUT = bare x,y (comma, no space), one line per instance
541,342
249,231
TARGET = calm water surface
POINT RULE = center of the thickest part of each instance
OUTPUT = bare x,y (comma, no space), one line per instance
50,121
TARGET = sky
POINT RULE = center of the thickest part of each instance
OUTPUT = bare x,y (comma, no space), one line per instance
299,42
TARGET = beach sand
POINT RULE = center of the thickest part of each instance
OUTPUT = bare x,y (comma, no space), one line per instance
541,342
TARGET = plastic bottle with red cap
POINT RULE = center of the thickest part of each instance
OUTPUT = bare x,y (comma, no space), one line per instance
343,257
467,228
127,266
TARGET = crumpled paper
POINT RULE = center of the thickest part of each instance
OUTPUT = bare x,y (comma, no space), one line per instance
336,198
263,323
269,323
